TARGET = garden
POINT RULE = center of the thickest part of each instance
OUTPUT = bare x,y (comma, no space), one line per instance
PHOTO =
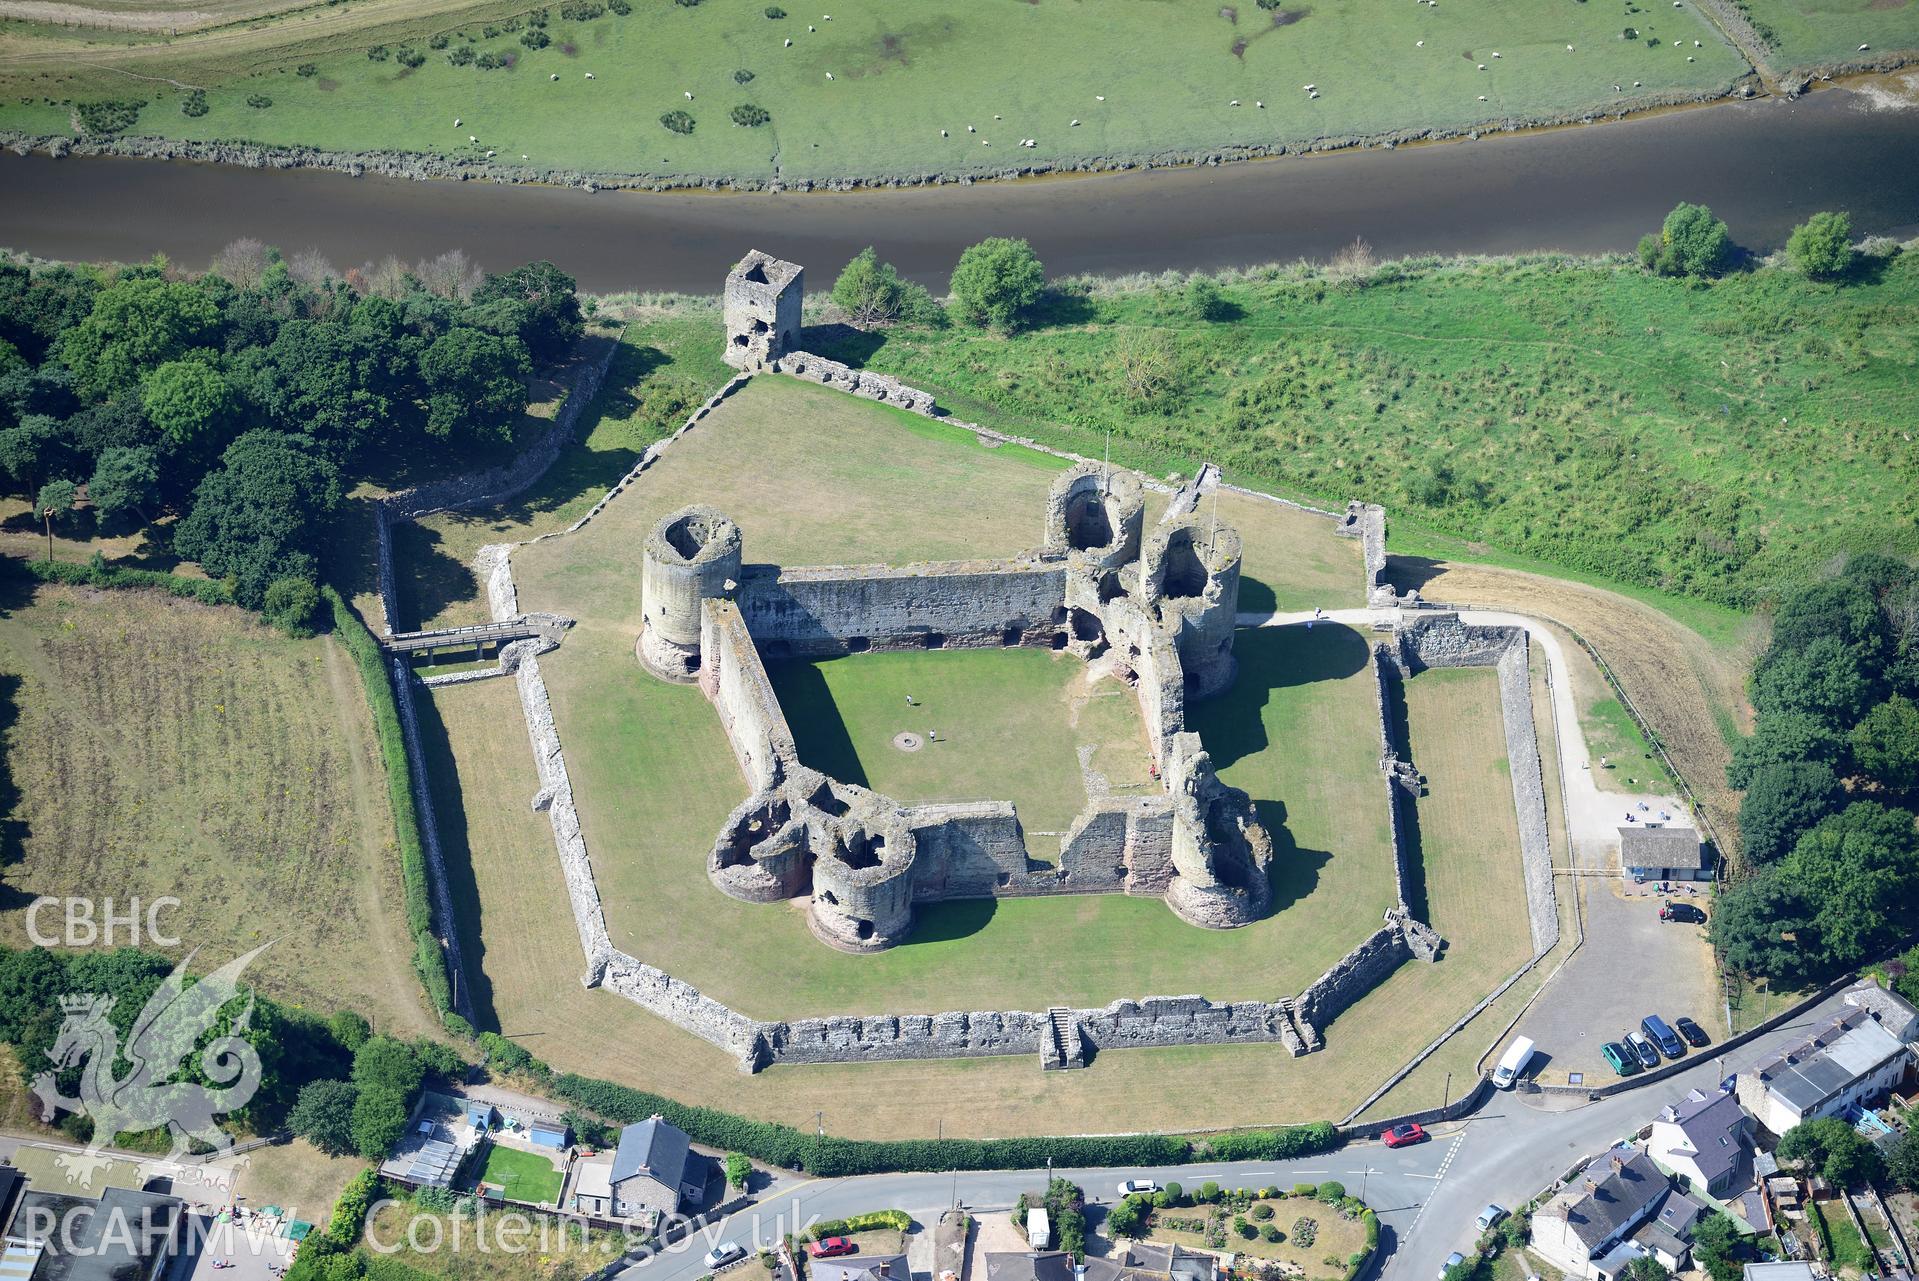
1307,1231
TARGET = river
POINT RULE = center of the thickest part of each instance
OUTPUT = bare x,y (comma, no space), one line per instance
1762,165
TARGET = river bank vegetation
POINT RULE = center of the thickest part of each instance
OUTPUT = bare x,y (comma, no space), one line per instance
879,92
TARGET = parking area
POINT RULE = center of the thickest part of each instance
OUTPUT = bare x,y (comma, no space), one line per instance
1632,964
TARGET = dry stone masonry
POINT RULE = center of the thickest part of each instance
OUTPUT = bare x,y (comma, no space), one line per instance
1158,610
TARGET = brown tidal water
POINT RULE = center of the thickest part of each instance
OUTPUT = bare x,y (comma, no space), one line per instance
1761,165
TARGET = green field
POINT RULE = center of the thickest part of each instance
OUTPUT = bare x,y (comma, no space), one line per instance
156,747
1010,723
1169,73
1705,439
523,1176
1810,33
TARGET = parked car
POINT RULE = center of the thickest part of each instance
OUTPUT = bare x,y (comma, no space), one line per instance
1401,1136
1683,913
1453,1260
1620,1058
1663,1036
724,1253
1134,1186
1489,1216
831,1247
1648,1056
1694,1034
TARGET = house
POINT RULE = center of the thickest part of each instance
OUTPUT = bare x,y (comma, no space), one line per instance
1651,852
655,1171
860,1267
1030,1265
592,1187
1847,1061
1782,1270
1616,1212
1132,1261
1703,1139
1893,1012
121,1235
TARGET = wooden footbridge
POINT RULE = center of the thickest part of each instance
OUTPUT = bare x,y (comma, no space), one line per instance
484,639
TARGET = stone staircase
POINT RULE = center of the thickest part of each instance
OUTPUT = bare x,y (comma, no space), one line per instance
1061,1044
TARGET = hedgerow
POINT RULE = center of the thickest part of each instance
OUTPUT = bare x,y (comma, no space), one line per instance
429,962
830,1157
897,1220
97,573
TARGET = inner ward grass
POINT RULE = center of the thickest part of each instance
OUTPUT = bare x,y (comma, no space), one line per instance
1008,724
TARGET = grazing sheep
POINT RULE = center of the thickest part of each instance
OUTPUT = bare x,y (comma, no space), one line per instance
1690,58
489,155
1569,48
1074,125
456,122
1419,44
689,95
811,27
789,42
1234,103
1260,105
471,138
589,75
1864,47
1495,53
554,76
1482,97
1100,97
1635,84
1697,45
970,129
829,75
1482,66
942,133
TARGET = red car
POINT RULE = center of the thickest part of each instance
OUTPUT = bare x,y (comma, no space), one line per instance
831,1247
1406,1135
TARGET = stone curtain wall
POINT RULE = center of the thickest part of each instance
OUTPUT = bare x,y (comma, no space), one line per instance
1367,522
819,610
402,680
736,681
858,382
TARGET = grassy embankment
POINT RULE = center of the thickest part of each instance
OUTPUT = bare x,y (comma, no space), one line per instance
1169,76
1812,33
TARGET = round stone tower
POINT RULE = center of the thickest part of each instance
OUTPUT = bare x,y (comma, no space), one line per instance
863,877
1098,512
1191,578
690,556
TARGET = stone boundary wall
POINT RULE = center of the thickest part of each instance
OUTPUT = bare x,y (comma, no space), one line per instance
819,609
1394,758
858,382
739,687
462,678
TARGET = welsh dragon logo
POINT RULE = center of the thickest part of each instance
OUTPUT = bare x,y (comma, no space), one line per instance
158,1048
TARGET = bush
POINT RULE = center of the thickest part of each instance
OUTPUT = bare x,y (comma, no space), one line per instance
677,121
1262,1212
460,55
195,103
1305,1232
1331,1192
291,604
995,281
408,56
109,115
439,40
621,7
1691,243
774,12
1174,1193
742,76
1204,301
874,1220
1272,1233
259,101
750,116
307,70
1821,246
1307,1190
535,38
1208,1193
378,53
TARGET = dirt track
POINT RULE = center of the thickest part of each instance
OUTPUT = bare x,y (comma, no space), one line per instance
1672,674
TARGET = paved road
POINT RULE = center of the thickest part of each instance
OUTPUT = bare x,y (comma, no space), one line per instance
1426,1196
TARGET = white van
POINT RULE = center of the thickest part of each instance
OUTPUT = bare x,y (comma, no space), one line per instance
1518,1055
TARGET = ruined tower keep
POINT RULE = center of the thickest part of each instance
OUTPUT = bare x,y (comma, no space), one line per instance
762,310
691,556
1191,570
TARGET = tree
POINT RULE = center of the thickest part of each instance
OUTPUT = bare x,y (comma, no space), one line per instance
1782,802
869,291
995,281
1859,871
1754,926
1691,243
1886,743
476,384
136,325
126,479
56,499
1715,1243
323,1116
350,1029
739,1168
386,1062
1831,1147
1902,1161
551,322
188,400
262,515
327,380
35,452
1825,680
1821,246
379,1118
1644,1268
1781,738
1131,1217
1204,301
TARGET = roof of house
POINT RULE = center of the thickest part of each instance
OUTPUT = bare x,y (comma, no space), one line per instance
1031,1265
1834,1056
654,1148
1894,1013
1781,1271
115,1238
1648,846
593,1176
862,1267
1712,1125
1616,1191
